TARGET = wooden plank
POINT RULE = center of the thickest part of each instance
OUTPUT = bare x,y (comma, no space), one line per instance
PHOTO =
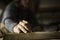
32,36
0,35
1,38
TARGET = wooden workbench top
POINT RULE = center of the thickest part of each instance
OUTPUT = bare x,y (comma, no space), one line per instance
33,35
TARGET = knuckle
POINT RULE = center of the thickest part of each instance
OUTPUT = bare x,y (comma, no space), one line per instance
25,21
21,23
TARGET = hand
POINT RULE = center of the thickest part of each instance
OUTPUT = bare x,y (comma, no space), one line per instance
22,26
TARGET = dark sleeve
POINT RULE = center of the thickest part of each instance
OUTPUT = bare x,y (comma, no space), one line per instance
9,17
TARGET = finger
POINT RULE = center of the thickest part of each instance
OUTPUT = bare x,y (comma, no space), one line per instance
22,28
16,30
21,23
25,21
27,25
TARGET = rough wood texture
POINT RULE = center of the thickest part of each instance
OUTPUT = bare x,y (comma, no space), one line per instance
33,36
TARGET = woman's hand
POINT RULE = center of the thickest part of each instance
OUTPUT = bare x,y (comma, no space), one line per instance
22,26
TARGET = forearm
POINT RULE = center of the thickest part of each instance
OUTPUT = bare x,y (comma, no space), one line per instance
9,24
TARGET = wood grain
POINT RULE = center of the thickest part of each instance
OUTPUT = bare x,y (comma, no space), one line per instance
32,36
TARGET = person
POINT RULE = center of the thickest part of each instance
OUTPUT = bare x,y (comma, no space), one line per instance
18,17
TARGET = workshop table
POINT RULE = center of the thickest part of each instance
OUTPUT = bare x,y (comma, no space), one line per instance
32,36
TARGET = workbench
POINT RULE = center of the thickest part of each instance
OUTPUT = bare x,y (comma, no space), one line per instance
32,36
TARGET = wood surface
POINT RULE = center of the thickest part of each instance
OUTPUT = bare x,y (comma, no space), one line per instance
32,36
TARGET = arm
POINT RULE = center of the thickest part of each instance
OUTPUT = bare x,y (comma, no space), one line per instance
12,22
9,18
